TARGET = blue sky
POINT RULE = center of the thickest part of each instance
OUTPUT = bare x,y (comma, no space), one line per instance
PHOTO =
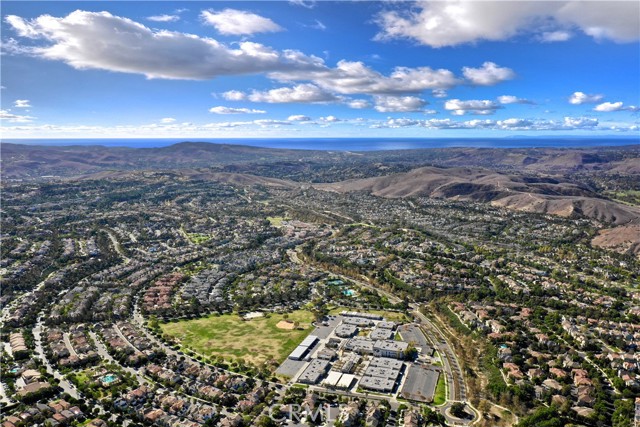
319,69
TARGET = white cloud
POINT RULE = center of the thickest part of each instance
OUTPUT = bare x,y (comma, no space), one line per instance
399,104
614,106
307,4
168,120
580,122
21,103
234,95
330,119
270,122
481,107
351,78
439,93
238,22
302,93
317,25
299,118
359,104
14,118
515,123
228,110
163,18
578,98
510,99
100,40
450,23
555,36
613,20
488,75
608,106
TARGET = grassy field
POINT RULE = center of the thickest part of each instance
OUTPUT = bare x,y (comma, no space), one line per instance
276,221
441,391
389,315
256,341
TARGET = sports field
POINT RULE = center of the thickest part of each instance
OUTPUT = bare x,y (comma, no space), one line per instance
256,341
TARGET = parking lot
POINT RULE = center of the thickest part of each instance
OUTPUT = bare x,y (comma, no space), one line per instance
420,384
412,333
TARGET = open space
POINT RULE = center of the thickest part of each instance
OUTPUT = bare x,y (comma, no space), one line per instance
256,341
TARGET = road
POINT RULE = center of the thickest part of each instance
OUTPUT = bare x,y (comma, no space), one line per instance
68,344
455,380
116,245
66,386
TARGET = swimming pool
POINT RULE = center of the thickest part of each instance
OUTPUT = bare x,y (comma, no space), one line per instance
109,378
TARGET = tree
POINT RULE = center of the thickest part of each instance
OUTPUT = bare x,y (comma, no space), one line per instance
457,410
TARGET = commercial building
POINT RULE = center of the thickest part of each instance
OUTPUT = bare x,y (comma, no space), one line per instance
344,330
388,348
386,325
358,321
363,315
386,362
381,385
374,371
332,379
301,350
381,334
314,372
360,345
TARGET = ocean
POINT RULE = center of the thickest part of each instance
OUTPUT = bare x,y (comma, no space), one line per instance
350,144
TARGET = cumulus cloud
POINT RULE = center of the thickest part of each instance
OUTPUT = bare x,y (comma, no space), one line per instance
450,23
299,118
354,77
330,119
399,104
228,110
578,98
481,107
167,120
302,93
163,18
488,75
608,107
238,22
580,122
14,118
359,104
100,40
513,124
21,103
510,99
234,95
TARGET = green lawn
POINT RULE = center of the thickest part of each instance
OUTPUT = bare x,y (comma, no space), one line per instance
256,341
440,395
198,238
276,221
